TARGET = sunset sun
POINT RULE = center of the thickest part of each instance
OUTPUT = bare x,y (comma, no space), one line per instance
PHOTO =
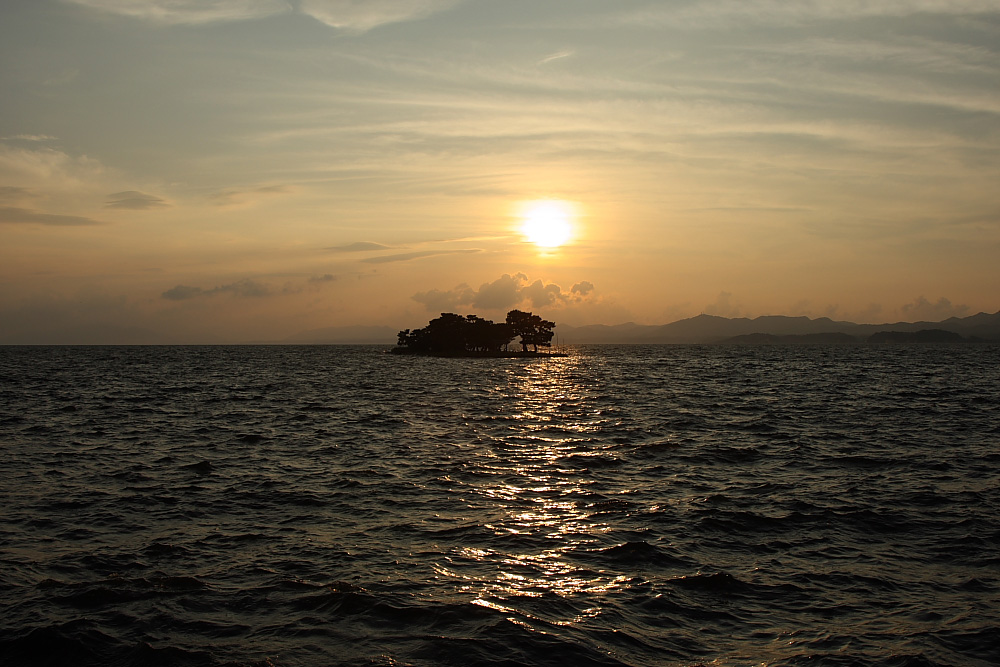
547,223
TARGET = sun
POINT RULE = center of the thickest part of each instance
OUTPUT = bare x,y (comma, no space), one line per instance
547,223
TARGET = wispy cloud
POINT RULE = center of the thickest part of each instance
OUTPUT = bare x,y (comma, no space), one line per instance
10,215
407,256
183,292
10,193
354,15
249,196
242,288
555,56
31,137
47,168
134,200
325,278
361,16
360,246
176,12
922,53
726,13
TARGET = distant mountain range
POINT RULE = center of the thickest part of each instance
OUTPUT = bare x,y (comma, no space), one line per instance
776,329
768,329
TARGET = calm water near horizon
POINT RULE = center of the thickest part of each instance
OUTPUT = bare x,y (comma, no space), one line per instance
624,505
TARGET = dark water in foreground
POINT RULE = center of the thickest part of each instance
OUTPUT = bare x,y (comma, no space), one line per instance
622,506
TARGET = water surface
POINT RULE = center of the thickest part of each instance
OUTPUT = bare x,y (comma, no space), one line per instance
625,505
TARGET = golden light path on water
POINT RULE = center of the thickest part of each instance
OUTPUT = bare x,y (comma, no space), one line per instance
542,502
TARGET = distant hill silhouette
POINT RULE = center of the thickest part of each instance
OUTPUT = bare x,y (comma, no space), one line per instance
715,329
922,336
705,329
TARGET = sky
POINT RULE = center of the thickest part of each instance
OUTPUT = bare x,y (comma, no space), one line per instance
223,171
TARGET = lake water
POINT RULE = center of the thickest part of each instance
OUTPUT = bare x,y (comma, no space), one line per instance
660,505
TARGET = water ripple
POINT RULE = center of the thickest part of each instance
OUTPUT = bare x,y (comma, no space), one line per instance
660,505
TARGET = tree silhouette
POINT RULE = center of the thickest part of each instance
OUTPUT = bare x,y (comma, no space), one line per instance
452,334
532,329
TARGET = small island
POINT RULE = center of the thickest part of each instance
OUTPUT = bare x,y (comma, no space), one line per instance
452,335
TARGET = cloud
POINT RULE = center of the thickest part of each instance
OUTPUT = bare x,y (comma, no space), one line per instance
10,215
46,167
406,256
31,137
177,12
360,246
182,292
542,295
326,278
362,15
555,56
247,197
243,288
507,291
354,15
724,306
440,302
923,310
504,292
134,200
725,13
9,193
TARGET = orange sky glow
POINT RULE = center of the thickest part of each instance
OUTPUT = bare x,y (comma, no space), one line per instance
229,171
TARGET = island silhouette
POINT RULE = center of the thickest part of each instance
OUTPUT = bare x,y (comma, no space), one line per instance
703,329
452,335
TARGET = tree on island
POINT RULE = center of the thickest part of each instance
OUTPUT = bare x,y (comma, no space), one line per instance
454,334
532,329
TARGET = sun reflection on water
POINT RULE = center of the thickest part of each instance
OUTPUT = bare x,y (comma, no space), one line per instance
535,479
